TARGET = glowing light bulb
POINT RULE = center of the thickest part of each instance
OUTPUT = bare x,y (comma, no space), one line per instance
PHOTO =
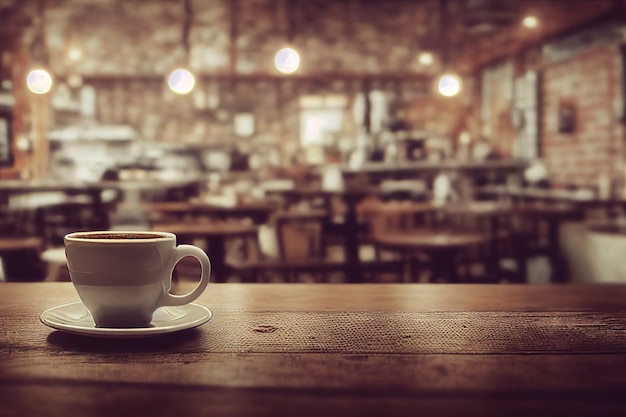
287,60
39,81
22,143
181,81
449,85
75,54
426,58
530,22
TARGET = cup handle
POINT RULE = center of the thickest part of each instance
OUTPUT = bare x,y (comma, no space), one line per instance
181,251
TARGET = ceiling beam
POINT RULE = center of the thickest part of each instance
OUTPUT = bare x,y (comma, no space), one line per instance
609,16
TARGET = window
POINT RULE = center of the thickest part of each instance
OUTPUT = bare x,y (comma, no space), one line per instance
6,140
320,118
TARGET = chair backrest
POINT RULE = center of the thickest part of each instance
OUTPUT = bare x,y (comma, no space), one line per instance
476,217
54,221
396,216
300,235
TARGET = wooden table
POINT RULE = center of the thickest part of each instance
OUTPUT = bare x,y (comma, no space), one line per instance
259,212
215,235
584,200
442,249
331,350
91,190
493,218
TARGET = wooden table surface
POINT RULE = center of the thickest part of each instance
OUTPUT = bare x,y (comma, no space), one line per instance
330,349
437,240
207,229
258,211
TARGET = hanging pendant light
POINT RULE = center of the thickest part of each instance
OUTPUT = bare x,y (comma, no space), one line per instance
426,58
75,54
39,81
181,80
449,84
287,60
530,22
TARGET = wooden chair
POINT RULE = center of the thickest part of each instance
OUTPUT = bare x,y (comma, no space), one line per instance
56,220
395,217
536,230
299,250
21,258
467,237
481,263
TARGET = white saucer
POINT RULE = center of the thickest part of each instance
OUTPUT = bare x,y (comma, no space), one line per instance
74,318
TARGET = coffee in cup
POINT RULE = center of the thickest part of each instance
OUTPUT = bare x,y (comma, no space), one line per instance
123,277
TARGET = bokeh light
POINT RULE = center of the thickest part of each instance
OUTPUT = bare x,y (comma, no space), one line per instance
75,54
449,85
75,80
181,81
39,81
530,22
426,58
287,60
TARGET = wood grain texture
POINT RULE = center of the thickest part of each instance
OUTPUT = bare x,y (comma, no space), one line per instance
33,298
397,350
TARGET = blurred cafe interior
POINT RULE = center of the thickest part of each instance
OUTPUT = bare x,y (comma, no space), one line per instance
444,141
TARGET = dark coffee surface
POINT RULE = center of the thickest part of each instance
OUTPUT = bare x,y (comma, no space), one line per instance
119,236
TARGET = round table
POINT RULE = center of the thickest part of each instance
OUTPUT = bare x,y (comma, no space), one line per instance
441,247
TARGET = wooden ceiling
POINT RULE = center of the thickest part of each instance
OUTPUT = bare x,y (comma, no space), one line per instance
489,30
468,33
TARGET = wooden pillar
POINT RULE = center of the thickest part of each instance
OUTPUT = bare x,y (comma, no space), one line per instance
40,105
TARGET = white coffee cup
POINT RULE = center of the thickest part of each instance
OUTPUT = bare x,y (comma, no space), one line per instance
122,277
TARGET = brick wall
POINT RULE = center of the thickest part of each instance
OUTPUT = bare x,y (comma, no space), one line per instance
129,47
589,82
582,72
144,37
